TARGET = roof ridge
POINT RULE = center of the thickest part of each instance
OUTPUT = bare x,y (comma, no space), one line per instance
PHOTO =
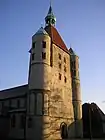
56,37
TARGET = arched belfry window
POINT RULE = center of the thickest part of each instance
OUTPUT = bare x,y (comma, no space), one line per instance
44,44
64,130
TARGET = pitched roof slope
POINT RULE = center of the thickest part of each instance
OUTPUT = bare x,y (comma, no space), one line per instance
56,38
98,111
14,92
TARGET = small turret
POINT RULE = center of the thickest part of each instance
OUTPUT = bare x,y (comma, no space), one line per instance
76,94
39,58
50,19
38,84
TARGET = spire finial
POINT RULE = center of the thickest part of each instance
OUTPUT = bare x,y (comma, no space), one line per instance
50,3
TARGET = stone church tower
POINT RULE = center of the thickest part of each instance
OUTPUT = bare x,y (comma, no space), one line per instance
50,101
76,94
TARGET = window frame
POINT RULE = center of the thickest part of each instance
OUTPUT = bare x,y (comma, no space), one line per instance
65,79
64,60
60,76
33,44
65,70
44,44
43,55
33,56
59,56
59,65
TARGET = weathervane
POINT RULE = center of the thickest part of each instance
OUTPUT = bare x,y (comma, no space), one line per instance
50,2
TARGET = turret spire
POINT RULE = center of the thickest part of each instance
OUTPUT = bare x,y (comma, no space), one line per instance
50,19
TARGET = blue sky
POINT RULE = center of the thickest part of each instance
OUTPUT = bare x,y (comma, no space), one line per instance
81,23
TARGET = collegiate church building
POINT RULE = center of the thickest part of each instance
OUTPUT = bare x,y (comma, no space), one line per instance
49,106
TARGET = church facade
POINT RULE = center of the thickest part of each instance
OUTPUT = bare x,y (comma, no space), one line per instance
49,107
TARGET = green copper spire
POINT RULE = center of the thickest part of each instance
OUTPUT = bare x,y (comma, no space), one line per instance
50,19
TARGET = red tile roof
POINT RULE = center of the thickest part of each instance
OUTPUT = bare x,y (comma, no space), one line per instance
56,38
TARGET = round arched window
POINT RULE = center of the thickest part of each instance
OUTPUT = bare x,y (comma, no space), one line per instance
64,130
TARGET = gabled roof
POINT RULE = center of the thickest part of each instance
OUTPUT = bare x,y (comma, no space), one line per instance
98,110
14,92
94,109
93,118
55,37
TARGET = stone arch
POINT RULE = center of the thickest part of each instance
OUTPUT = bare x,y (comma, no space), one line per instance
64,130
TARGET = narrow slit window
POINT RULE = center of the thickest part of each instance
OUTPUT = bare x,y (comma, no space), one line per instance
65,69
60,65
64,60
65,79
33,45
43,55
59,76
33,56
44,44
59,56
